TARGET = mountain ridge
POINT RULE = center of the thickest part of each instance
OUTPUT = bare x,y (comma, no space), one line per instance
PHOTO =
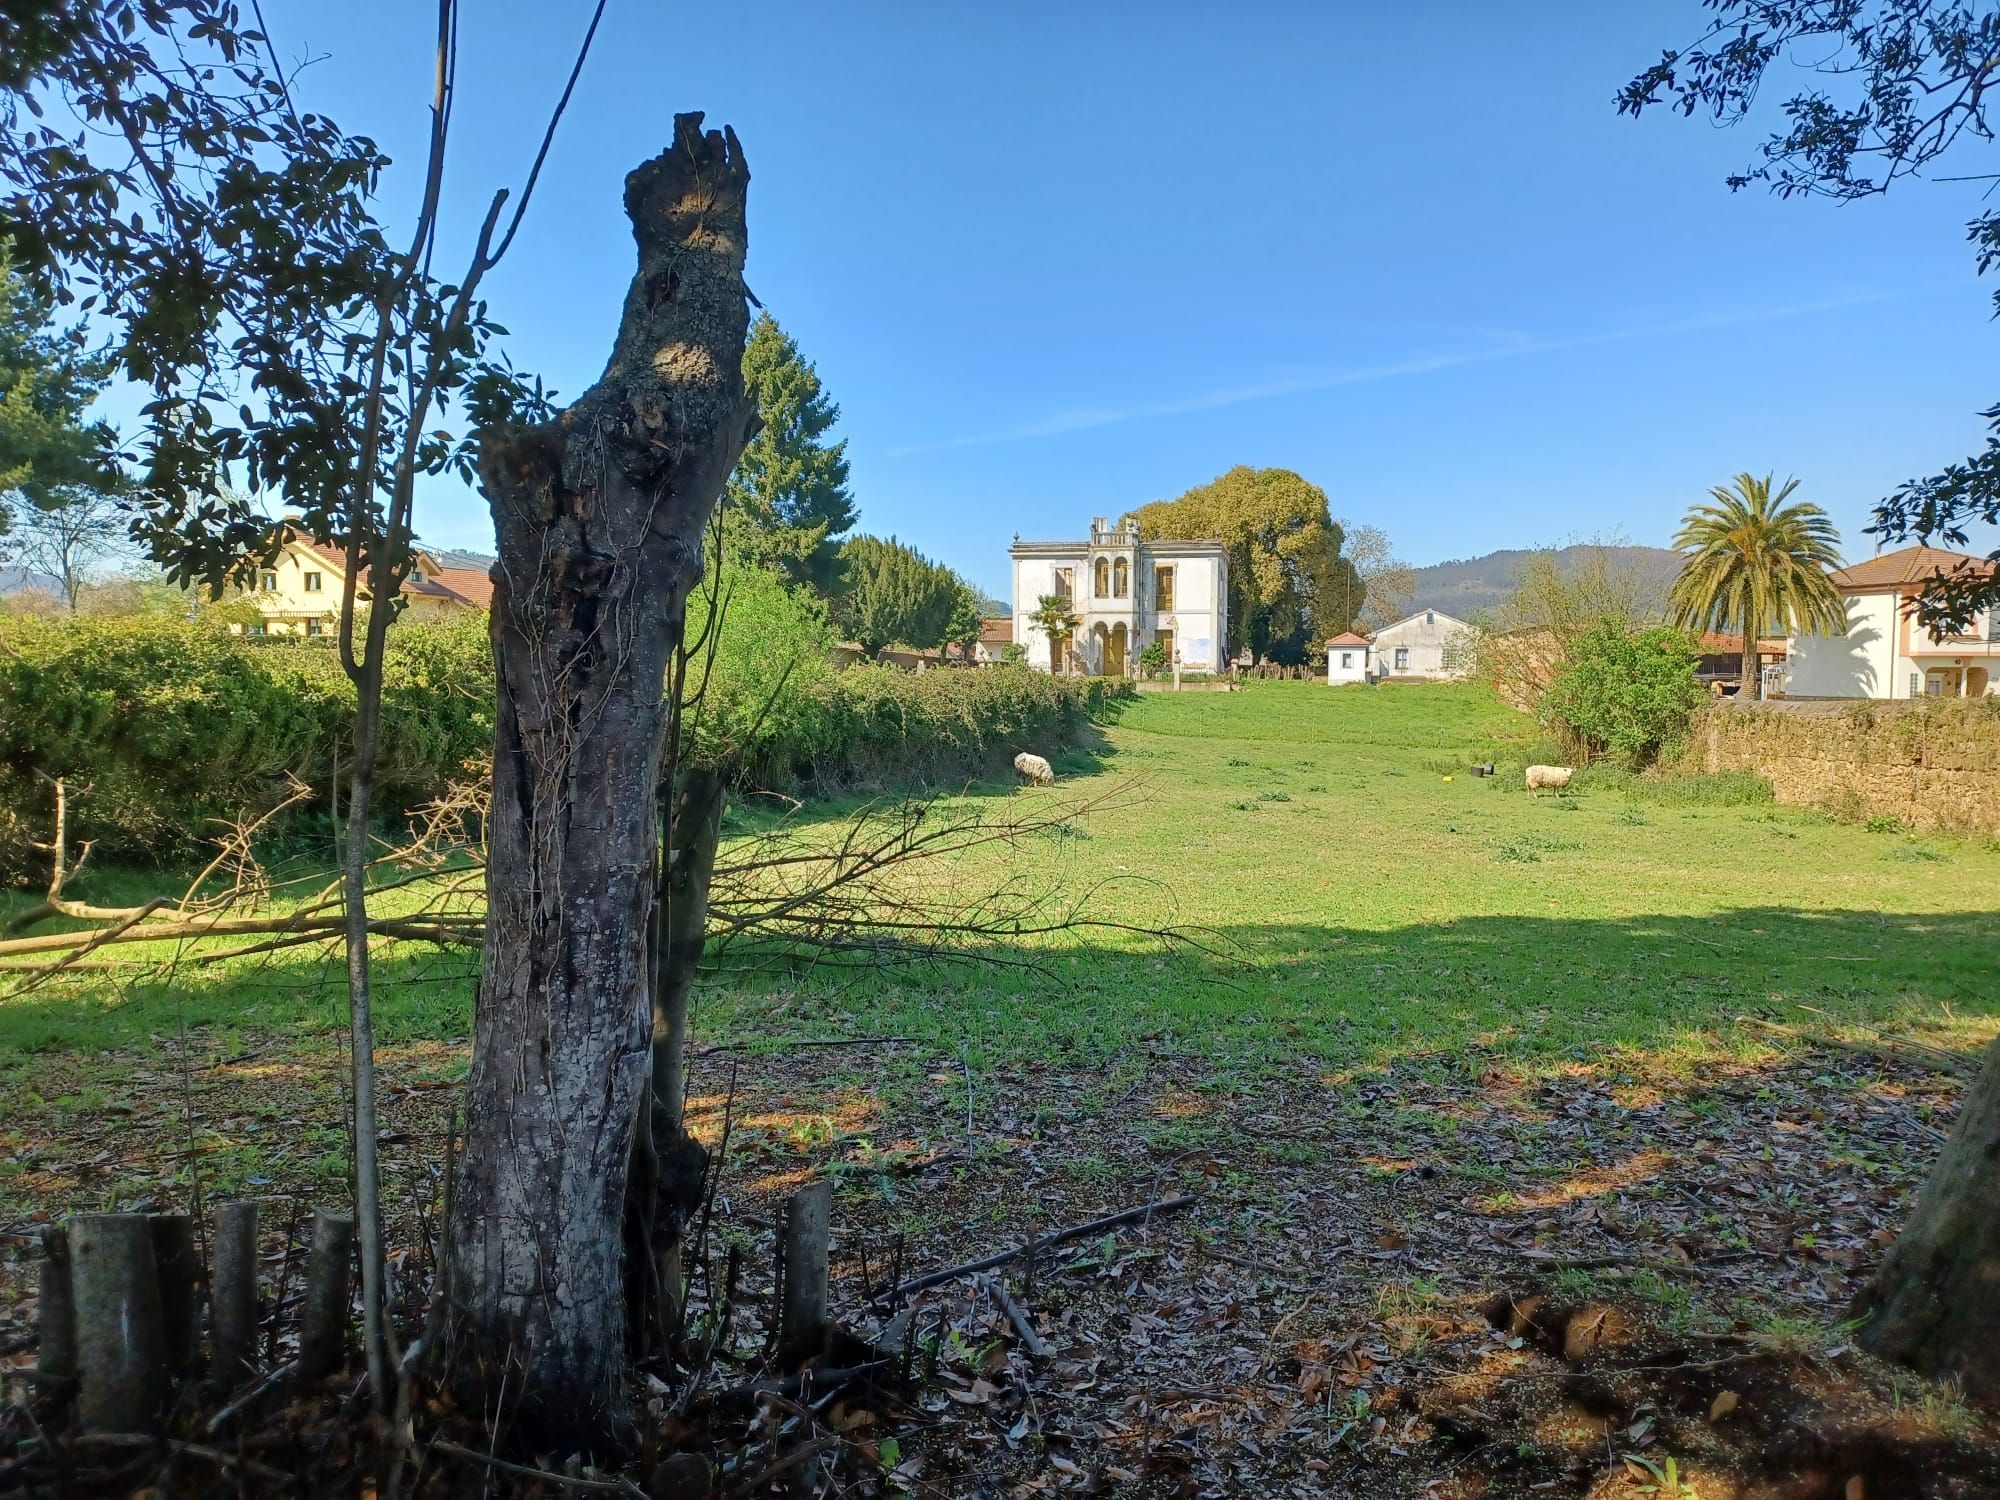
1464,586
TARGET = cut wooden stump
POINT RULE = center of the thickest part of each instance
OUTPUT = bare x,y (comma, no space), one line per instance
232,1294
323,1319
120,1339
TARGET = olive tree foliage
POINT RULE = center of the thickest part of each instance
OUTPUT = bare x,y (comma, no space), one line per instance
158,173
1888,90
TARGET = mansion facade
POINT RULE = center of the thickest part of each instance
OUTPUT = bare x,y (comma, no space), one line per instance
1127,593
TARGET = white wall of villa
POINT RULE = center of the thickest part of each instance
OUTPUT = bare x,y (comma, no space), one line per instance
1127,592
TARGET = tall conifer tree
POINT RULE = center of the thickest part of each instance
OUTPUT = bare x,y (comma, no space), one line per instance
788,501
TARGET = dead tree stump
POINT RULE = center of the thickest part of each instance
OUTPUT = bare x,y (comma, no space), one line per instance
56,1356
120,1338
232,1293
323,1319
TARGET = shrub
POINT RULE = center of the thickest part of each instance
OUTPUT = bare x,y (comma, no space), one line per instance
765,680
1623,694
163,726
881,725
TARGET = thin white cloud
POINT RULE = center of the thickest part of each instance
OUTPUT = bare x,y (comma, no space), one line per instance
1514,347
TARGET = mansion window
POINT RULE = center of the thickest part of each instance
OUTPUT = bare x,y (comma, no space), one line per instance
1163,588
1121,579
315,627
312,583
1066,585
1100,575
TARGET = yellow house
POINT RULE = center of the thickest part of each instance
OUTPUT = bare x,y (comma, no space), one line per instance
298,591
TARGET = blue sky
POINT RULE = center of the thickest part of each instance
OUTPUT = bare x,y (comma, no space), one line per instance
1059,260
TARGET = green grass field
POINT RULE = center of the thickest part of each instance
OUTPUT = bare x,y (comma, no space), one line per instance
1345,887
1417,1035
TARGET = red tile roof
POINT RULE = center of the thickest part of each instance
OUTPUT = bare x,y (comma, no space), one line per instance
1348,638
1910,565
997,630
473,585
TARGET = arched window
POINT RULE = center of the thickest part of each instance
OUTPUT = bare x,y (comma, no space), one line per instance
1101,579
1121,579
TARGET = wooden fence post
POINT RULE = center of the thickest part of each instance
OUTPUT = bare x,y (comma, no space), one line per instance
802,1313
323,1320
232,1293
121,1344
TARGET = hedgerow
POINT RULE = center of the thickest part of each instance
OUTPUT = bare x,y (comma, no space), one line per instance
164,728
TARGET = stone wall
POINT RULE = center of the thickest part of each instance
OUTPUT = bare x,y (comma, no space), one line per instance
1933,763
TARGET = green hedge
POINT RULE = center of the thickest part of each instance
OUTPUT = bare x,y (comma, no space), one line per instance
880,726
165,727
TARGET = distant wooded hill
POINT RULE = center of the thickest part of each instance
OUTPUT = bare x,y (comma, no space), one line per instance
1464,587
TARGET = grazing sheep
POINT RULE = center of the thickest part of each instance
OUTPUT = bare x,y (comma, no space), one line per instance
1554,778
1034,768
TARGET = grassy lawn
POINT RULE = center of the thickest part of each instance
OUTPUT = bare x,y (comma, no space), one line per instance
1419,1035
1362,897
1344,887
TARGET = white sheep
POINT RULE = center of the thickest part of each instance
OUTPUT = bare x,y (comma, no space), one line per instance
1034,768
1553,778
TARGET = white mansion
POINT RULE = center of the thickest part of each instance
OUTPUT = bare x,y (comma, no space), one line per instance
1126,593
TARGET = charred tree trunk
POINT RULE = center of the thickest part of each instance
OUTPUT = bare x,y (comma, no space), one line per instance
599,516
1935,1302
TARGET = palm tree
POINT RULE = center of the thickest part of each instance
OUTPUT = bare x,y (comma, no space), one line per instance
1058,622
1755,563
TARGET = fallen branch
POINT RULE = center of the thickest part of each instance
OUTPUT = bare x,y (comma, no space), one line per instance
1037,1346
615,1486
1036,1247
786,1385
757,1481
1918,1054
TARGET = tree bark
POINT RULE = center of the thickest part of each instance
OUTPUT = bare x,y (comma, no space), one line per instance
670,1164
599,517
1746,675
1935,1302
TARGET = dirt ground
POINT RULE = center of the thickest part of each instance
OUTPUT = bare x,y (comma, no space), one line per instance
1443,1280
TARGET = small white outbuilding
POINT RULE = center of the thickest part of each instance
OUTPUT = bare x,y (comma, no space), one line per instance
1429,645
1347,659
